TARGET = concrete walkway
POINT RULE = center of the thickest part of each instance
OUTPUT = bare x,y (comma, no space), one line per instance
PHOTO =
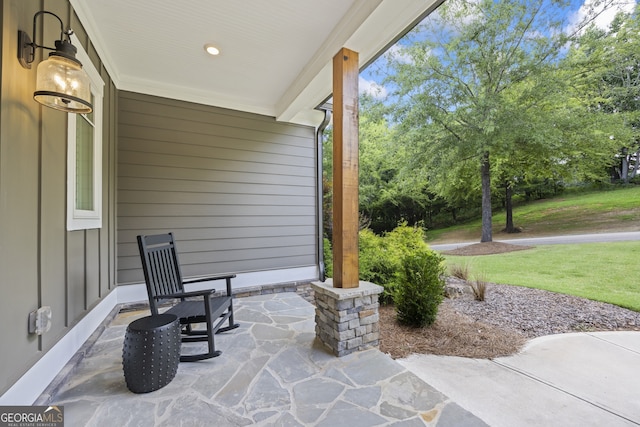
582,379
271,373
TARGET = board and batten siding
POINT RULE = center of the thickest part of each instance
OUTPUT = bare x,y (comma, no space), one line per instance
41,262
238,190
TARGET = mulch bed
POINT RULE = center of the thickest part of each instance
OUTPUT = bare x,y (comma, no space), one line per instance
486,248
452,334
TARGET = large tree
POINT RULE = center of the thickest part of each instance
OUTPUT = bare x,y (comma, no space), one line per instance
606,74
474,71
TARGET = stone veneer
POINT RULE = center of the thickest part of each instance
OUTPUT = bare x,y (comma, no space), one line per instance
347,318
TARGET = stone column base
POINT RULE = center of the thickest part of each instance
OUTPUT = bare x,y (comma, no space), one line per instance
347,318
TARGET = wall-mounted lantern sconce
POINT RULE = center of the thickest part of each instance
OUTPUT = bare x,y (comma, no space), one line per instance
61,82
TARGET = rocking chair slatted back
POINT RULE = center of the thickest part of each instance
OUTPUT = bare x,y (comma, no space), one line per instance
162,269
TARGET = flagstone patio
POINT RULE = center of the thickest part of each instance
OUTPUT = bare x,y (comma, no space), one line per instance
272,372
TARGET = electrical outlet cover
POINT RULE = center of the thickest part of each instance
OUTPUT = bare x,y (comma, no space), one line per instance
40,320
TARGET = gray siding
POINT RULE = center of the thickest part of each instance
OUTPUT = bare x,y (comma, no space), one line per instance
237,189
41,264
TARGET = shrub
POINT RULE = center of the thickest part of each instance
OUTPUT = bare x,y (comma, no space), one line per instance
381,257
328,258
404,240
421,288
375,264
371,254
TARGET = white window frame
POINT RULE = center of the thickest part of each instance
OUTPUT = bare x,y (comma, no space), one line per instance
78,219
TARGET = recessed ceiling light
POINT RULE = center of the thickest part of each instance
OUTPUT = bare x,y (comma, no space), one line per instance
211,49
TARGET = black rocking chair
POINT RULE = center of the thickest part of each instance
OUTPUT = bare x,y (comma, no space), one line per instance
164,282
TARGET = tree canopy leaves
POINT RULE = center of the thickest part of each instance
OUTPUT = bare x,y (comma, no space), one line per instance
502,95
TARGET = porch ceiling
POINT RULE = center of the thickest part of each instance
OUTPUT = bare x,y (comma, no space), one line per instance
275,55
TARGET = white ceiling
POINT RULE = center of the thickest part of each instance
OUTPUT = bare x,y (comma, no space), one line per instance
275,54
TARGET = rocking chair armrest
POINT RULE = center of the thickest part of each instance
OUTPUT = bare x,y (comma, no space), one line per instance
202,293
206,279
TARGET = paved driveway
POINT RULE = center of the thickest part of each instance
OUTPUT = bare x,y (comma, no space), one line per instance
553,240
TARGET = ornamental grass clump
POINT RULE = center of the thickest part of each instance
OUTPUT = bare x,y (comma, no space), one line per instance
479,287
460,271
421,288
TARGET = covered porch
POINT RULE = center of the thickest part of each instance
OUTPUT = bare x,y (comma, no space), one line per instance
221,150
272,372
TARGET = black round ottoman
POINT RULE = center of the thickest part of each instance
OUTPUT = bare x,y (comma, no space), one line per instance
151,352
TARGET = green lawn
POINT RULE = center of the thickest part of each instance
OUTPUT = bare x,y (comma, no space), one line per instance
568,214
608,272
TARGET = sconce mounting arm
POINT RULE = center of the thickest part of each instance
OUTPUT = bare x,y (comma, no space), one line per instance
27,47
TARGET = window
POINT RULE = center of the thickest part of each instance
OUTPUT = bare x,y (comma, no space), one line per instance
84,156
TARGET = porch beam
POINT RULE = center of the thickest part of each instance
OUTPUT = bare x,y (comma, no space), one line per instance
345,169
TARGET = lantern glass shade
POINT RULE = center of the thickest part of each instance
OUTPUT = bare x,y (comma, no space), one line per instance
62,84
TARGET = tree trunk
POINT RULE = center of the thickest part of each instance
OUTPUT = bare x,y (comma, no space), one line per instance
634,173
624,175
485,172
508,192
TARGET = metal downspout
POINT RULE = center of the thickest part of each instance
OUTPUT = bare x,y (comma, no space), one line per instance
319,194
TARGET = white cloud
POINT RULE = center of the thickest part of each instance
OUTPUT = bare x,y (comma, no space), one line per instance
372,88
606,10
399,53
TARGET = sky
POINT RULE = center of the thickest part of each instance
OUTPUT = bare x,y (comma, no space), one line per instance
371,78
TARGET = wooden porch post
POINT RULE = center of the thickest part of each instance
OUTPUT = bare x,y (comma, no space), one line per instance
345,169
346,309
